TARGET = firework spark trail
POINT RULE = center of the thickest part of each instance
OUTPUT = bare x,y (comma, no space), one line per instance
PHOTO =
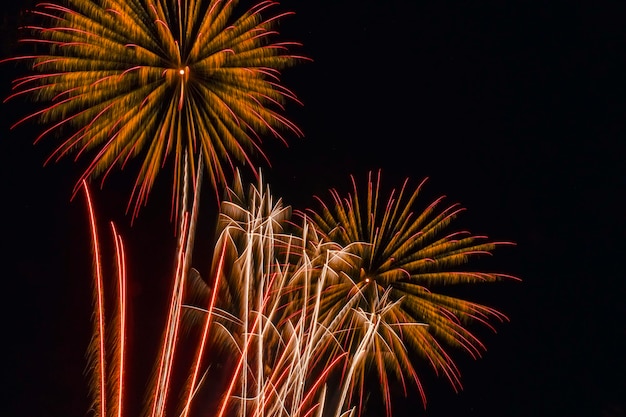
161,388
291,374
97,349
119,365
183,266
203,340
312,337
372,323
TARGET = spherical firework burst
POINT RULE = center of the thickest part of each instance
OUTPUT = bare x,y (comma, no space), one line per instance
391,296
156,79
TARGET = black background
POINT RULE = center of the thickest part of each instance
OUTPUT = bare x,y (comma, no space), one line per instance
514,109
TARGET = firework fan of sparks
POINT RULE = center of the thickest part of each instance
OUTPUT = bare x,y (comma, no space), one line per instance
155,80
282,367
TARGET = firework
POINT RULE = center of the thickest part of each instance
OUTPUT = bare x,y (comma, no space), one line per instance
154,80
276,364
293,310
262,274
391,295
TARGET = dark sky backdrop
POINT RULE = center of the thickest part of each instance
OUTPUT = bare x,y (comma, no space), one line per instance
514,109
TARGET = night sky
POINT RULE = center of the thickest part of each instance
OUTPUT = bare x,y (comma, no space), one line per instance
517,110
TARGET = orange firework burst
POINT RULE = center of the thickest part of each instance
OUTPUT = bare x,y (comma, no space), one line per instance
390,295
157,79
